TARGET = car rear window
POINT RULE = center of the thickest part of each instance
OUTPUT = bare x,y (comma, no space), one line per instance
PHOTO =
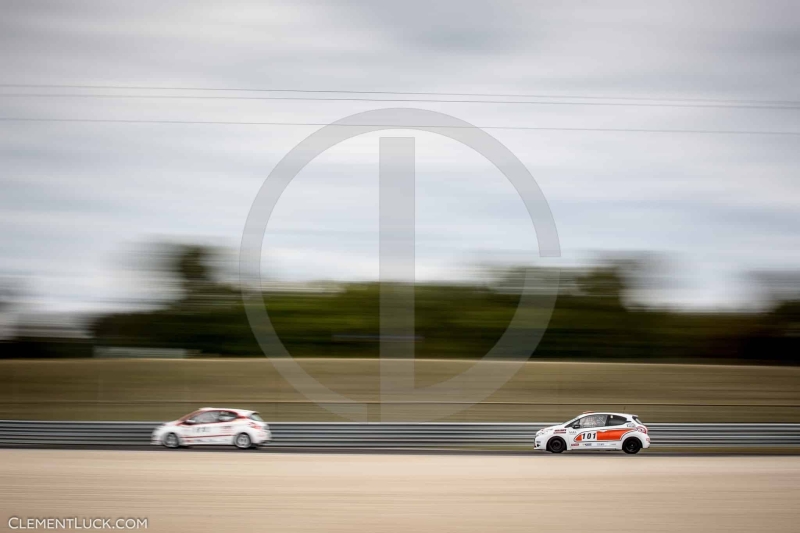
256,417
226,416
614,420
636,418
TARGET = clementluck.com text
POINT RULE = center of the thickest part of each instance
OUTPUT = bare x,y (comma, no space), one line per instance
16,522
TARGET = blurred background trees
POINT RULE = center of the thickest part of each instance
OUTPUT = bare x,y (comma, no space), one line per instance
595,318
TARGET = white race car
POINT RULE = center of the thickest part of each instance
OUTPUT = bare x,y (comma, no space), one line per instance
212,425
595,431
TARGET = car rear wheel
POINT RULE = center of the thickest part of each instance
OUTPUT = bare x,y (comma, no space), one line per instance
631,446
242,441
556,445
171,440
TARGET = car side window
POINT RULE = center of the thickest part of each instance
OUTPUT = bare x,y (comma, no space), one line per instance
593,421
206,417
616,420
226,416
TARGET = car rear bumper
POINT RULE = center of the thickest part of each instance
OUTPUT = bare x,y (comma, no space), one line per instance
262,437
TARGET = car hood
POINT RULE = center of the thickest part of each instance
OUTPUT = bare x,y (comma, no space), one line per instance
551,428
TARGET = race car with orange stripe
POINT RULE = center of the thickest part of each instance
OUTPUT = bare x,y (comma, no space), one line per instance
595,431
214,426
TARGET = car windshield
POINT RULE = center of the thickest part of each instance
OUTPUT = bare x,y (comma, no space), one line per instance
190,416
256,417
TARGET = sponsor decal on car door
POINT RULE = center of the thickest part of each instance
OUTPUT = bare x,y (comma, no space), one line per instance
222,430
601,438
202,433
205,430
586,439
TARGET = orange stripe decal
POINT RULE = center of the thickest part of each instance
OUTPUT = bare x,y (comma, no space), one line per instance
603,435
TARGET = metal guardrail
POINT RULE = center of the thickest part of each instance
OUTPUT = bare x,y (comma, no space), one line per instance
21,433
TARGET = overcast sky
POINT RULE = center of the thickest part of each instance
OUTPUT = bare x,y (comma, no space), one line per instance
77,196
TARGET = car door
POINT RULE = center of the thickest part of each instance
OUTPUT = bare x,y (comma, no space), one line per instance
586,437
201,428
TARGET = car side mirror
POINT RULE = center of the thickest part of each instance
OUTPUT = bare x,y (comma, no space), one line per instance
576,426
189,422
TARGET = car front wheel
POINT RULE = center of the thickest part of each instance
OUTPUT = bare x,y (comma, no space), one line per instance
556,445
631,446
171,440
242,441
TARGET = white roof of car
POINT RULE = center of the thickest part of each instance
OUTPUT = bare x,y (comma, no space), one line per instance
626,415
240,411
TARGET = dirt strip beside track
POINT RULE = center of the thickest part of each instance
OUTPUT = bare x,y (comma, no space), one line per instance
376,493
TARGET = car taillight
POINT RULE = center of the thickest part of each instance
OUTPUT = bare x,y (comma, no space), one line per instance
254,425
642,429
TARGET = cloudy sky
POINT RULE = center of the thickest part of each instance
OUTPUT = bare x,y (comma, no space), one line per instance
632,111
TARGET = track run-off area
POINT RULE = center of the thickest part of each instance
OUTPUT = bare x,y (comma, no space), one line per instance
387,492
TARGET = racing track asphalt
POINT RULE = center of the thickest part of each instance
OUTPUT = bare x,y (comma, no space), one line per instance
402,492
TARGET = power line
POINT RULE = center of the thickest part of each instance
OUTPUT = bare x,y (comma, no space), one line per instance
408,93
407,100
399,126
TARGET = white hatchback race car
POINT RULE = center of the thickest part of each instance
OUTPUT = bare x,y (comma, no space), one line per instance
212,425
595,431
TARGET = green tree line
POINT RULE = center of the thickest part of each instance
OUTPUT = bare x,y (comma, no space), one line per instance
590,321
